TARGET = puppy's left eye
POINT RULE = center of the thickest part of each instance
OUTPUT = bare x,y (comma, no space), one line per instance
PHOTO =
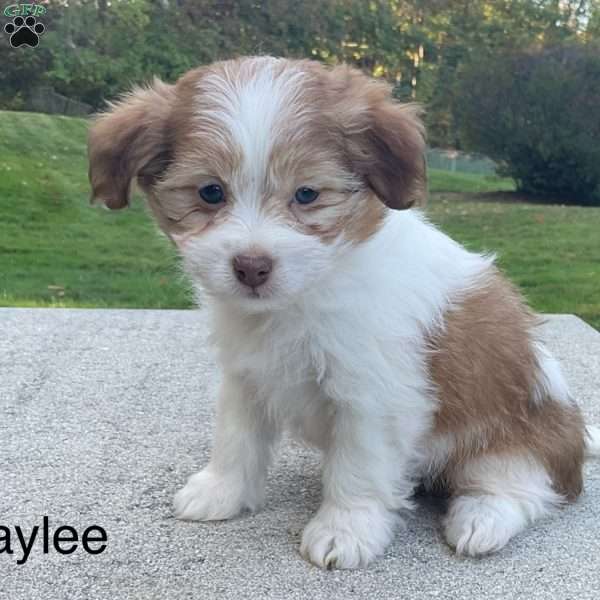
305,195
212,194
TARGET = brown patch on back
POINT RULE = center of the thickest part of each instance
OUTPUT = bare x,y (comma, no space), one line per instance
484,368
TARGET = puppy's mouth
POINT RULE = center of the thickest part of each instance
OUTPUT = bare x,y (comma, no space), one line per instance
253,293
261,292
262,298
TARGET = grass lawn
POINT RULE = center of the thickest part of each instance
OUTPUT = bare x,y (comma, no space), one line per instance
552,252
57,250
467,183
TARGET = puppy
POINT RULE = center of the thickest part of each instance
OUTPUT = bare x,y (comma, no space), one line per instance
338,314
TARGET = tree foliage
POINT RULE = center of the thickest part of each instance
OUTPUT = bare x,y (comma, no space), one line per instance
95,49
538,112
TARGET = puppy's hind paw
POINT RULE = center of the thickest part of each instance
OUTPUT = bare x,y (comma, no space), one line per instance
209,497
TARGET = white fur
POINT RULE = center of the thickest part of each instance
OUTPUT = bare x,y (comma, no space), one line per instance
593,441
229,484
347,537
496,498
550,381
251,111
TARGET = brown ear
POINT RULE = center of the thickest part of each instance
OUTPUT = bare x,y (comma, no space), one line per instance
129,141
384,140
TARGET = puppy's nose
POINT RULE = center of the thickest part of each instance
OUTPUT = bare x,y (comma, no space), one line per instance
252,270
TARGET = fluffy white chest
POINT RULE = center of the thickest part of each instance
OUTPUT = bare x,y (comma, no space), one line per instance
359,339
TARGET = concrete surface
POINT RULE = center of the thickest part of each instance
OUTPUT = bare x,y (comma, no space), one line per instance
103,415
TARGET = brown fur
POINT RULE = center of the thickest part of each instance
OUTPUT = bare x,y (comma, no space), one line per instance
484,368
129,141
384,140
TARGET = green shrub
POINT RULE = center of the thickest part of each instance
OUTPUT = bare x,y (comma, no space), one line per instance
537,113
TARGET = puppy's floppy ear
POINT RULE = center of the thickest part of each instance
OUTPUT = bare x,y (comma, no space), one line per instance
131,140
384,140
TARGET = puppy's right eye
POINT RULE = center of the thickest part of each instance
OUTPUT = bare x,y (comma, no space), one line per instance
212,194
305,195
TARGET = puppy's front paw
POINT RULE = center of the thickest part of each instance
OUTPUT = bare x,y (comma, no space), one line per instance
208,496
476,526
347,539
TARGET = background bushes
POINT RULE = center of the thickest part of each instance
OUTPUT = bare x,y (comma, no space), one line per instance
538,113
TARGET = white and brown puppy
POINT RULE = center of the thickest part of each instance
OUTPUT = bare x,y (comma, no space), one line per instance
358,327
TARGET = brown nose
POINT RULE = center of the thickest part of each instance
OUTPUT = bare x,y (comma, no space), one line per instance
252,270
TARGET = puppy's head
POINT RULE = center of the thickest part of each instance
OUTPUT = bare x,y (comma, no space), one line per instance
264,172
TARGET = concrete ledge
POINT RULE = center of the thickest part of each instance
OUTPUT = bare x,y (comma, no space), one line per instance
103,415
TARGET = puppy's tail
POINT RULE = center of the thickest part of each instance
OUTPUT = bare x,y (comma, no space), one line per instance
592,443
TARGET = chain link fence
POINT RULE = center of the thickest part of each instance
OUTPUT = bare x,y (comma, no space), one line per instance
453,160
46,100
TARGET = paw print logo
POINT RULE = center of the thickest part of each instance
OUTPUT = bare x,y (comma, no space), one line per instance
24,31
